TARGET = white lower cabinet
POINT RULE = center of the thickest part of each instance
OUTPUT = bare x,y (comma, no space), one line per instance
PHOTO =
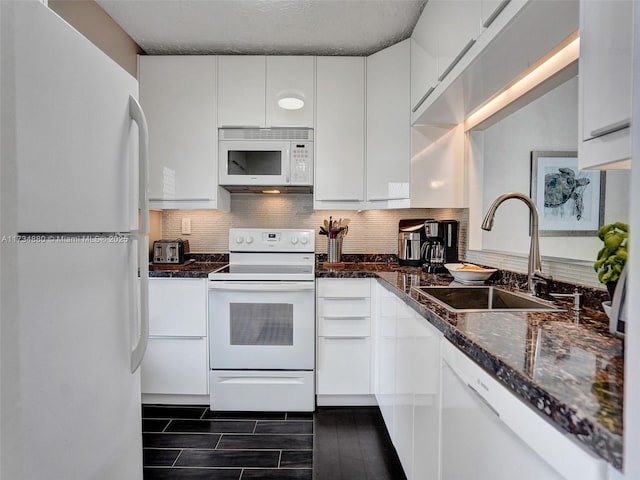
385,357
403,398
489,434
426,399
407,386
343,363
177,360
175,366
447,418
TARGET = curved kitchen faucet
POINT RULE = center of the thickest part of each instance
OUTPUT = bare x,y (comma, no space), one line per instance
534,269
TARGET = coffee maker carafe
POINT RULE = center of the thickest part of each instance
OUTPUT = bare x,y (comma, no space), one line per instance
441,244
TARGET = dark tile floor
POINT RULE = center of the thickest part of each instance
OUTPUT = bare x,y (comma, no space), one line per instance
334,443
353,444
195,443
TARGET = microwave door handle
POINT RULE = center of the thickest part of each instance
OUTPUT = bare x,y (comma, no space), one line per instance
287,167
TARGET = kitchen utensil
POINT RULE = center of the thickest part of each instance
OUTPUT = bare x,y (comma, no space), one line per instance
334,249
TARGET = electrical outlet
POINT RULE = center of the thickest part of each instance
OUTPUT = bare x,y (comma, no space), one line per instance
186,226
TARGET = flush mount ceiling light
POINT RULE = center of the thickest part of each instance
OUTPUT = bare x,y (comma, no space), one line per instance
291,102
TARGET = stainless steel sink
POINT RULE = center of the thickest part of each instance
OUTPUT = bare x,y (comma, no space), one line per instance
484,299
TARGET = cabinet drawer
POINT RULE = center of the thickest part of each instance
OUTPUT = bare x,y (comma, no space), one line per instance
344,366
344,326
344,287
344,307
175,366
177,307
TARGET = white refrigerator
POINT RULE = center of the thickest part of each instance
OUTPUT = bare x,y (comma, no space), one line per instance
73,254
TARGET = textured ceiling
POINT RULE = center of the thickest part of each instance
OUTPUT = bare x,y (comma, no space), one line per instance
301,27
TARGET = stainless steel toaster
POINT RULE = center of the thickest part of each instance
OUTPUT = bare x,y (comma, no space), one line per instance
170,251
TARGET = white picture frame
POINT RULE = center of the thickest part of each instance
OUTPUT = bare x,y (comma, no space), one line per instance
570,201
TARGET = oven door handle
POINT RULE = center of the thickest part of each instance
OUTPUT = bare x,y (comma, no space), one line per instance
263,286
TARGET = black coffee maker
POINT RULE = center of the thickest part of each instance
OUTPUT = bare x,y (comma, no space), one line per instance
441,244
411,241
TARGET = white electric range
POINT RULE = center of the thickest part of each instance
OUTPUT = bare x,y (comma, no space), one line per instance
262,322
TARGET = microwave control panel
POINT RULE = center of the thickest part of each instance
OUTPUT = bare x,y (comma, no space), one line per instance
302,163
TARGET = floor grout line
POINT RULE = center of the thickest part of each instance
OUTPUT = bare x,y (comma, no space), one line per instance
176,459
165,433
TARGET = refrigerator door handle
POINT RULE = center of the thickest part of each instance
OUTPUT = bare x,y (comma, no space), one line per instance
137,354
137,115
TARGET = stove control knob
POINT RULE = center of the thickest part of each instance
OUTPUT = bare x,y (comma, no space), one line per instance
239,239
304,240
249,239
294,240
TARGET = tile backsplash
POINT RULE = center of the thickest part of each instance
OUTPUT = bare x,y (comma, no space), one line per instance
372,231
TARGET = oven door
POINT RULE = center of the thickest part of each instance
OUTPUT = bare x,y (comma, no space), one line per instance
254,162
261,325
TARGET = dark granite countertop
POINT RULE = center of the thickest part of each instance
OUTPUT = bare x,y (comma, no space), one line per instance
192,269
569,372
568,369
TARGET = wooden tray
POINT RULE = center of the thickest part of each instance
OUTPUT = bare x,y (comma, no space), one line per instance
334,265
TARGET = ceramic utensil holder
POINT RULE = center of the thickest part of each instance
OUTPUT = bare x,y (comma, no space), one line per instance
334,249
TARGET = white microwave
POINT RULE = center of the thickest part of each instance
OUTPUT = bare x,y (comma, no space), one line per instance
251,159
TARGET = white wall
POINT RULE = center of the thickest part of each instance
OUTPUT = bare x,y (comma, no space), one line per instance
502,153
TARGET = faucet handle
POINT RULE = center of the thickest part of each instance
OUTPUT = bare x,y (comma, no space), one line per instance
537,277
575,295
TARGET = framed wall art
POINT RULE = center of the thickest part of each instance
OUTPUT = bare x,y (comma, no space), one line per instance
570,201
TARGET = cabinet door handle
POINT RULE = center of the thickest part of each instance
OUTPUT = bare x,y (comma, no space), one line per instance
613,127
345,298
386,198
424,97
345,337
175,337
180,199
495,13
484,400
457,59
340,200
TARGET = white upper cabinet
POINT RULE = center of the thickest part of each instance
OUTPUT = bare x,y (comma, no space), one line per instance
445,31
340,132
241,91
290,77
459,25
438,168
178,94
389,124
606,44
249,88
481,47
424,58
